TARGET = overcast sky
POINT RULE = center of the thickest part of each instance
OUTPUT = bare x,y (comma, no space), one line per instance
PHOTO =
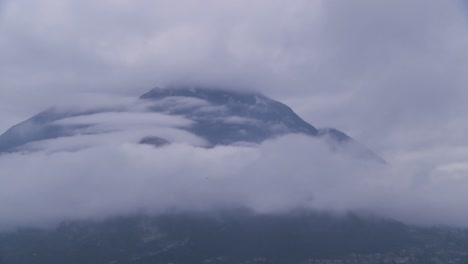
392,74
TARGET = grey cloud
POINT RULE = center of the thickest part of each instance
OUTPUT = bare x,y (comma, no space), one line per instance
111,179
392,74
119,177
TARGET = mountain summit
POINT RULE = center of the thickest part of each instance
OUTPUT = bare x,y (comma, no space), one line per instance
224,117
214,117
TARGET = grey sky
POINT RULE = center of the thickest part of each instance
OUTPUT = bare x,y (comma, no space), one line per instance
392,74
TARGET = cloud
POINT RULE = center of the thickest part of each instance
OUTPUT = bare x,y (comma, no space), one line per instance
392,68
391,74
125,119
379,50
114,175
108,179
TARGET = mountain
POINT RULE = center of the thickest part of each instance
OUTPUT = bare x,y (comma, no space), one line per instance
218,237
207,118
215,117
232,237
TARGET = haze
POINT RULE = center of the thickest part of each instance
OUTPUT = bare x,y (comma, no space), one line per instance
393,75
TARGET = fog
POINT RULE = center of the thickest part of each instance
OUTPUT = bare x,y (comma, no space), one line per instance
103,172
110,178
390,74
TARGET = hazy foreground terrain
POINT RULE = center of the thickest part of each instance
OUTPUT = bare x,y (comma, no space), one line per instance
236,236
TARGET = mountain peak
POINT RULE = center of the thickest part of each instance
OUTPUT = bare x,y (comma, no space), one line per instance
214,116
233,117
210,94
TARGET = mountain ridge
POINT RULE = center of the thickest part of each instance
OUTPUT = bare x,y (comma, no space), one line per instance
220,117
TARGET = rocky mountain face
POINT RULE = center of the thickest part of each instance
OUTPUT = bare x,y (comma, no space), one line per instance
218,117
233,117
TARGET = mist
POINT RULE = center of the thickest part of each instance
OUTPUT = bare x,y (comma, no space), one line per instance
108,174
390,74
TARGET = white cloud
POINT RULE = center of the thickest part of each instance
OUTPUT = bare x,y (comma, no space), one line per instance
108,179
118,177
116,120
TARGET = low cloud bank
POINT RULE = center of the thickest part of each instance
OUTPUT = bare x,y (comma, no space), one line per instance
293,171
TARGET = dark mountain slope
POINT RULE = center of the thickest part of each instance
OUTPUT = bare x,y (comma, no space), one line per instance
219,117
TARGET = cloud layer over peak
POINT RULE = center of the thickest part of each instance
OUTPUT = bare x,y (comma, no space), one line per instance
391,74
